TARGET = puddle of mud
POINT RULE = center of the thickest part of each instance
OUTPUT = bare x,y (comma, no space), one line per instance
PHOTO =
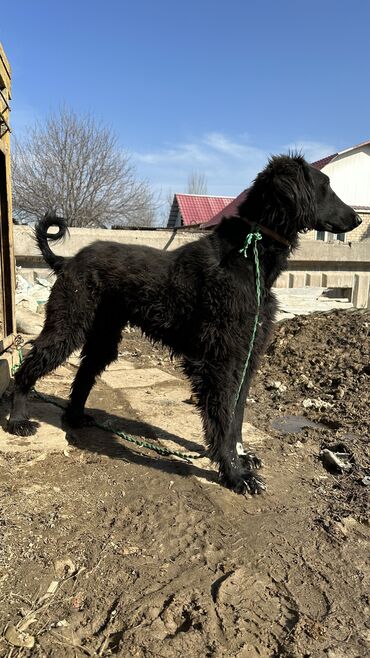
294,424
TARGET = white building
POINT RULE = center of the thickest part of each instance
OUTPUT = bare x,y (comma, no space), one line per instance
349,173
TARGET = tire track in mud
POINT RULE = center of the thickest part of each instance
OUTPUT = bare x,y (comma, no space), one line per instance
208,601
183,567
169,616
233,584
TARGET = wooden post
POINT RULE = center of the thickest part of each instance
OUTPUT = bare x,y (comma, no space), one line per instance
7,269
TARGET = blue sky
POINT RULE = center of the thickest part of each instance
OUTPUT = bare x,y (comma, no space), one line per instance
198,85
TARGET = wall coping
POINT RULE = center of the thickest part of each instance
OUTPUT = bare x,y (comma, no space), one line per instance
308,250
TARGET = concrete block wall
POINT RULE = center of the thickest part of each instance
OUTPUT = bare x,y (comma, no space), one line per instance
363,231
358,234
360,291
314,263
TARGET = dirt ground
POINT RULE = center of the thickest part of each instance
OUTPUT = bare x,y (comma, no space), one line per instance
109,549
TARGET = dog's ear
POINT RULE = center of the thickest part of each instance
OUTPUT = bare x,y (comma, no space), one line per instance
292,187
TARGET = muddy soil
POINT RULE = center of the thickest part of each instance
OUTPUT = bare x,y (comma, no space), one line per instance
108,549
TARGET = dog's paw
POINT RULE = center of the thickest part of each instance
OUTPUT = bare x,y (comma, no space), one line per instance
253,483
251,461
242,482
77,420
22,426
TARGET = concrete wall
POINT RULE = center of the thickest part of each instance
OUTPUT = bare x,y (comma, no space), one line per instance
25,246
315,263
360,233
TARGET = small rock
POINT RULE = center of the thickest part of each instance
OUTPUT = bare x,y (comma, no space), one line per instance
27,302
64,568
339,395
339,460
18,638
278,386
130,550
316,403
28,322
78,601
44,282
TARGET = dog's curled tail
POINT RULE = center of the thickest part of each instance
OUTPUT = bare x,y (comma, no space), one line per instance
43,237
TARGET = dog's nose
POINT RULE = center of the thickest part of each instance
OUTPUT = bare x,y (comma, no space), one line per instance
358,220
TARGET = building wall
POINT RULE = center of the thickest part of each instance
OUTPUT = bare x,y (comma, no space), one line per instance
363,231
349,174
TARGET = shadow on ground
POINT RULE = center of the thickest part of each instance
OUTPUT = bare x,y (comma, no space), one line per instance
106,442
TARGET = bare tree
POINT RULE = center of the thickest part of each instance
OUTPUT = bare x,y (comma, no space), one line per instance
165,208
197,183
73,166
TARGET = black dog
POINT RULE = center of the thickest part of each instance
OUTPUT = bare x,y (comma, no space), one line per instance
199,300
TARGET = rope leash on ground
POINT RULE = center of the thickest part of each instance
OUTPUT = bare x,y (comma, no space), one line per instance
251,238
106,426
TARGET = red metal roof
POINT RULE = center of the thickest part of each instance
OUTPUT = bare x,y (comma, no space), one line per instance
198,209
320,164
229,211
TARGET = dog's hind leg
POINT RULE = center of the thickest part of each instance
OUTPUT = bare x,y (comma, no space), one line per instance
68,317
49,351
100,349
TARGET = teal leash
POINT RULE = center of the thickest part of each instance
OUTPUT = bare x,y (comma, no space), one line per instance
251,239
107,427
18,342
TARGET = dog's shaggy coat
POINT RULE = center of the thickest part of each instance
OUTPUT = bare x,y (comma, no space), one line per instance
199,300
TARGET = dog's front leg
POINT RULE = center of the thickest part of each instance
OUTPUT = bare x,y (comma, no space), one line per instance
238,465
216,387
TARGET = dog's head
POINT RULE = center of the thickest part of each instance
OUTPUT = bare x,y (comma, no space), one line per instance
290,196
332,214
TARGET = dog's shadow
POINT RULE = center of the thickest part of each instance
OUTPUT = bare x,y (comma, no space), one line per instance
106,442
